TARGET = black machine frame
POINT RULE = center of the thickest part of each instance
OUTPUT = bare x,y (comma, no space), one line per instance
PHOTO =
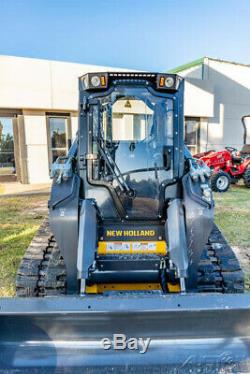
75,212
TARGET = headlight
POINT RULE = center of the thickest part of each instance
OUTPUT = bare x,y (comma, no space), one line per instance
169,82
95,81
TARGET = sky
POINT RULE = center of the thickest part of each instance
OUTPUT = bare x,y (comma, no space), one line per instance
154,35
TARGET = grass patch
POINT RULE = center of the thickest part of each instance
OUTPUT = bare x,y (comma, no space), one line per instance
20,218
232,215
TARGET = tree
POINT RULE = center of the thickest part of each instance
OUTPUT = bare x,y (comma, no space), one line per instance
6,148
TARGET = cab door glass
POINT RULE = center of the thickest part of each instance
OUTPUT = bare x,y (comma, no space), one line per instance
131,120
134,141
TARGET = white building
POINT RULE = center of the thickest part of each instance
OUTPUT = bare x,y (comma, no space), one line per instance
223,99
39,96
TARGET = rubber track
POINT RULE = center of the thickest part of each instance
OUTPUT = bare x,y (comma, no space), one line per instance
219,269
42,271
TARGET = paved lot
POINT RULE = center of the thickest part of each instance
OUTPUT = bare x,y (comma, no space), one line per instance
15,188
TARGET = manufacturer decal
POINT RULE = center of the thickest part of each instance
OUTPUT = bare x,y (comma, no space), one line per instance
130,233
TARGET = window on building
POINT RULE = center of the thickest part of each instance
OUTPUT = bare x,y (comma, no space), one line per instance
7,157
192,134
59,134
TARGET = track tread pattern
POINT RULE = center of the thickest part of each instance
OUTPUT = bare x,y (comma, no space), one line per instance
219,269
42,271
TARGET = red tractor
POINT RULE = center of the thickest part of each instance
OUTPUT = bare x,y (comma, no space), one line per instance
229,165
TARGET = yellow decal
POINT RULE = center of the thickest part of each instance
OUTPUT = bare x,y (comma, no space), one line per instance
145,247
120,233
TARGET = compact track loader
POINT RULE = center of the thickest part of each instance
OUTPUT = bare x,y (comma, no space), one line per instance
130,210
132,243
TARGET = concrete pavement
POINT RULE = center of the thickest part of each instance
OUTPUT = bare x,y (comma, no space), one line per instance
16,188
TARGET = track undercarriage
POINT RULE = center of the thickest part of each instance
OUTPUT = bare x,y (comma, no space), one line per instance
42,271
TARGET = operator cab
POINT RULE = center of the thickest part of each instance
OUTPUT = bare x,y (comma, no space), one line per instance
134,152
134,142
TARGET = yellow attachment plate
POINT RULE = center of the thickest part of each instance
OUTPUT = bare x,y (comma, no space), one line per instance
104,287
122,247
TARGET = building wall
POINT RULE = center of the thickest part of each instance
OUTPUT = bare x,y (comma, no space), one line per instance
35,84
194,72
74,124
36,146
198,98
35,87
229,85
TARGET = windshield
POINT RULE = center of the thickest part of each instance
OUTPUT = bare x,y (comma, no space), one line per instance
133,137
131,120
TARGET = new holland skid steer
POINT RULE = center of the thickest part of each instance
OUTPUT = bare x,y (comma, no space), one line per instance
130,210
132,243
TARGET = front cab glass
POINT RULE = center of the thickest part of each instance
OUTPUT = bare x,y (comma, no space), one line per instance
133,138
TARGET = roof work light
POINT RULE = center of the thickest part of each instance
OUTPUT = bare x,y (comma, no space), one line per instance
167,81
95,81
159,81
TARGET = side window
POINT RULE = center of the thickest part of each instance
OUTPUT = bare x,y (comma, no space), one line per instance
7,157
58,136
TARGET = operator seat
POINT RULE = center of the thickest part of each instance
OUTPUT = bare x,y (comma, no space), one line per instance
236,159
